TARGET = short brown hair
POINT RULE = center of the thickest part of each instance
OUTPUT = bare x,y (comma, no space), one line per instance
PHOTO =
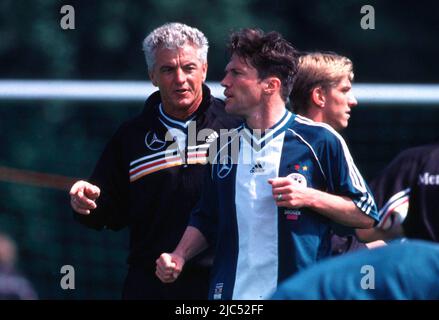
269,53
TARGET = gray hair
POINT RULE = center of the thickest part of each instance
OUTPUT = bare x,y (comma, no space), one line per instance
173,36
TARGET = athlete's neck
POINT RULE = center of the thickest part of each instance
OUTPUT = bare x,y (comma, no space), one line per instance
314,113
266,117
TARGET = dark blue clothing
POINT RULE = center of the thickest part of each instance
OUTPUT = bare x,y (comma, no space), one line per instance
259,244
408,270
149,183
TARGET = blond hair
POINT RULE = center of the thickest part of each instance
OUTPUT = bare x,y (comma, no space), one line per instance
318,69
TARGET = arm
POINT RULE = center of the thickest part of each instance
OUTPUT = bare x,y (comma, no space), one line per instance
392,189
392,214
170,265
340,209
106,206
200,232
377,233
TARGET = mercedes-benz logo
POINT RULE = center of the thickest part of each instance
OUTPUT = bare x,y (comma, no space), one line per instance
152,142
224,167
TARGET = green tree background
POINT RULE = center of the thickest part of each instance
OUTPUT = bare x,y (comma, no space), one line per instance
66,138
106,43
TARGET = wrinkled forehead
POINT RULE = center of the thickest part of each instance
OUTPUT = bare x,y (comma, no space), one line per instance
186,54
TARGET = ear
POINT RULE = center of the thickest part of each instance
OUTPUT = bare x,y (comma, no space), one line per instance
318,97
153,79
272,85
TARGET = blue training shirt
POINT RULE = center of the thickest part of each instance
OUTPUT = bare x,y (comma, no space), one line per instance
258,244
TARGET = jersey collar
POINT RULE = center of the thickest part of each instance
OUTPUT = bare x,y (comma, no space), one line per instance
169,121
259,138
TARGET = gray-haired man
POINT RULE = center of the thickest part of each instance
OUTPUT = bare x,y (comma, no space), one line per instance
148,182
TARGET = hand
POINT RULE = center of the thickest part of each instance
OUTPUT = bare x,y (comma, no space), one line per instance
83,196
169,267
289,194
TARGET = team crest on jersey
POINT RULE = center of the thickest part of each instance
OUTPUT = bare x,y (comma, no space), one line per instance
298,179
224,167
152,142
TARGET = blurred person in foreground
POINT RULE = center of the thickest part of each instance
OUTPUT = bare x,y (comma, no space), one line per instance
398,271
262,206
150,174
